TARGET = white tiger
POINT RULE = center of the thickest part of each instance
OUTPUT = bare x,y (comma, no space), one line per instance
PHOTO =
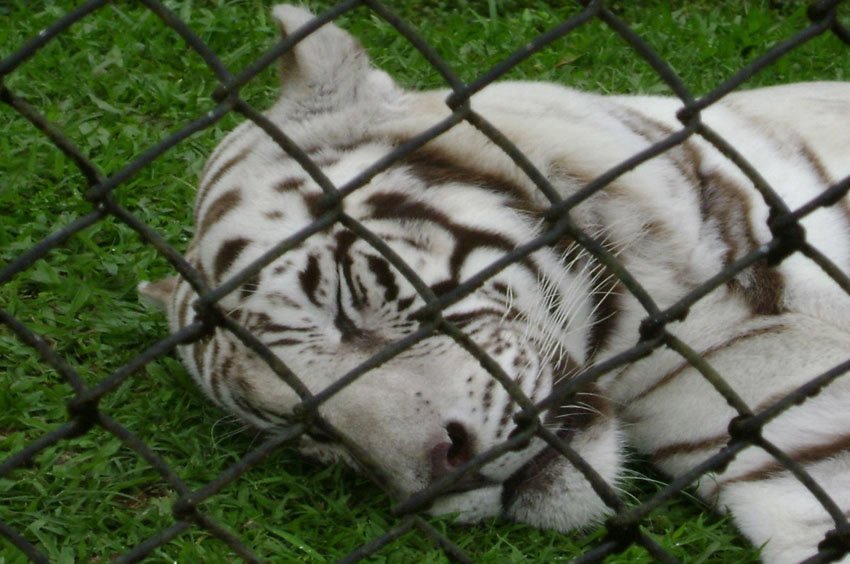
456,205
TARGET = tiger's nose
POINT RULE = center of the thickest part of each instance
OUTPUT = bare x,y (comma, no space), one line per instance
457,451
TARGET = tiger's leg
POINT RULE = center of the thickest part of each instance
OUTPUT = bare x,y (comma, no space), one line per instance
676,416
782,513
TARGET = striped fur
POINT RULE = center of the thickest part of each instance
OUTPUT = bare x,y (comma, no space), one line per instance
458,204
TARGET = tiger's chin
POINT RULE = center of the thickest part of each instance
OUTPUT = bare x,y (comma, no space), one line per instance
548,492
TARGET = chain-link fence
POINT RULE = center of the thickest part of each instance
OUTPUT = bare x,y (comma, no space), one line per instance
625,527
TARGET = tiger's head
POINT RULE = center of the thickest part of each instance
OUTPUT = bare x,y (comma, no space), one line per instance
333,301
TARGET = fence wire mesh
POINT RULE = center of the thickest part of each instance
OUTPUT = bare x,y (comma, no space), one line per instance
625,527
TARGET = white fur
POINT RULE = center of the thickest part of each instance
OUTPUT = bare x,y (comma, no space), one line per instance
333,100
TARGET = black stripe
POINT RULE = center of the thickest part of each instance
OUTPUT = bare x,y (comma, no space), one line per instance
266,328
722,199
507,411
689,447
825,178
384,276
405,303
653,131
309,279
731,342
386,205
464,318
206,187
435,167
725,201
346,326
284,342
222,150
362,290
218,209
815,163
487,398
288,185
341,147
217,373
342,257
244,405
227,255
501,288
806,455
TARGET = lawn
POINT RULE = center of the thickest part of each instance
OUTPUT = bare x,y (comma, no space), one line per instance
118,82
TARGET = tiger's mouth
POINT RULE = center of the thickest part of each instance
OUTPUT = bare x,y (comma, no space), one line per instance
468,482
540,472
535,475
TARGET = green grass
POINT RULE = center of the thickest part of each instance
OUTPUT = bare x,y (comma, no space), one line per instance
118,82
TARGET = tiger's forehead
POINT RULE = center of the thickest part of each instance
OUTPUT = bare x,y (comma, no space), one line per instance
423,202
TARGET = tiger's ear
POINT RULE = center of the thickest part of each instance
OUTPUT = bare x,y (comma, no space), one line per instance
328,65
157,293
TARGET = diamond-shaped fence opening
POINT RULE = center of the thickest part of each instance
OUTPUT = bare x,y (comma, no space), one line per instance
100,432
